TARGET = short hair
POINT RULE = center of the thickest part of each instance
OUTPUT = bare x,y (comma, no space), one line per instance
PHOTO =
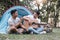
37,12
13,11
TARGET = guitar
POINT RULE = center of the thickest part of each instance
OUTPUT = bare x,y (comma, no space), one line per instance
28,24
39,23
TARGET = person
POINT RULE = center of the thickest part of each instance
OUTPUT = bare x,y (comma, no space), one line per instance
36,29
15,26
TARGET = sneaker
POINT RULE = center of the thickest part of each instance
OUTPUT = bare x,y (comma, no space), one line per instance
31,33
44,32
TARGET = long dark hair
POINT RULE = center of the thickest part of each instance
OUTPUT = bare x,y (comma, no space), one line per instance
37,12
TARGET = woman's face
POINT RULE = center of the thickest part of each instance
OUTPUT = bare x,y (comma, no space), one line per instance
35,14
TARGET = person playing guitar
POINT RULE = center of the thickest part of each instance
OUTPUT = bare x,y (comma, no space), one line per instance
32,21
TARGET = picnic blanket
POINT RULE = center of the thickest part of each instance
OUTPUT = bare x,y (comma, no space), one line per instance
22,11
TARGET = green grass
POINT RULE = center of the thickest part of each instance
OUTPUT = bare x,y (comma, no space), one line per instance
55,35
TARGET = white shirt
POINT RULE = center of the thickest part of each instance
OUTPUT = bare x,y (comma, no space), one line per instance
12,21
32,17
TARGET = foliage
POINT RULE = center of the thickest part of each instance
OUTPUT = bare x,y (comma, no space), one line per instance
3,6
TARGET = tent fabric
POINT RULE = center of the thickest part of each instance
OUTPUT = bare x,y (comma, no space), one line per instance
22,11
0,18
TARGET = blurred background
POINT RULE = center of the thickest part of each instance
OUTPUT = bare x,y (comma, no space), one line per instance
49,9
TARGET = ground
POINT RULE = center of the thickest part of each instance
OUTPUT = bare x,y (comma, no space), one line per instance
55,35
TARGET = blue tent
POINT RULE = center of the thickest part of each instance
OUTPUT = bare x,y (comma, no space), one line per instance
22,11
0,18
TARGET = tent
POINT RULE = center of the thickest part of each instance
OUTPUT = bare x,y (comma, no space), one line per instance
22,11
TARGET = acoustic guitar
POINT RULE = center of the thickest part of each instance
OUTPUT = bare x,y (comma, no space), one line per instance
28,24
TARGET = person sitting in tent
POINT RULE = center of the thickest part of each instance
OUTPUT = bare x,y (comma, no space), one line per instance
15,26
30,19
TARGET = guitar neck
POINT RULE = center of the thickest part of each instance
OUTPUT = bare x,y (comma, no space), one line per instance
39,23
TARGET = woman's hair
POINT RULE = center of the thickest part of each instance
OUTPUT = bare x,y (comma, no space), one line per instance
13,11
37,12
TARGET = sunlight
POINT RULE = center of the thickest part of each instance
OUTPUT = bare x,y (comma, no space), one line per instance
21,0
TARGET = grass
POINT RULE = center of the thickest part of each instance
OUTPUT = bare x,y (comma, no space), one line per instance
55,35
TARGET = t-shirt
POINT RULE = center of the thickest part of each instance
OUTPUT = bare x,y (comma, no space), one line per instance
38,21
32,17
12,21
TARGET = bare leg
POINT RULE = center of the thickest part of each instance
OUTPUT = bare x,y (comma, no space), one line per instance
20,30
14,29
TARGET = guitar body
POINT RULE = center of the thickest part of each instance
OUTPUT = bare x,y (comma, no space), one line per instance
26,24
